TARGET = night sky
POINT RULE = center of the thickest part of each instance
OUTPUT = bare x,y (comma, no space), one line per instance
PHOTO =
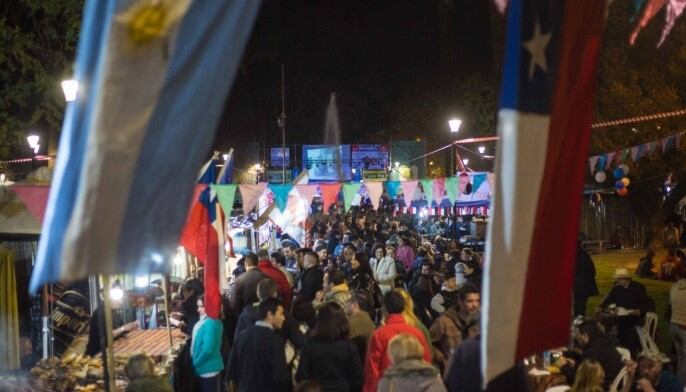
396,67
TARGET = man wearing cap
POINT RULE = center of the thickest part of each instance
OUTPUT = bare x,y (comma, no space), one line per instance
631,301
651,376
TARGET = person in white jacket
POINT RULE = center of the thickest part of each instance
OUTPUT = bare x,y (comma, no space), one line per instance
383,267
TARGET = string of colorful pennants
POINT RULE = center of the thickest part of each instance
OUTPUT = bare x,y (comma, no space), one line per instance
602,162
433,189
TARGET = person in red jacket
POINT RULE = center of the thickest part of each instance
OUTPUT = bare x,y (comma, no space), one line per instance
377,360
266,267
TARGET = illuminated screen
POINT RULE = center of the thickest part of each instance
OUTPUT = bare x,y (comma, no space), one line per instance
322,162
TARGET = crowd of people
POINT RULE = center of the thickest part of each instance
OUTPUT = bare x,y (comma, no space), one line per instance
377,306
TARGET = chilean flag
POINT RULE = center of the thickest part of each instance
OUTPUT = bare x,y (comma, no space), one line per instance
203,236
544,125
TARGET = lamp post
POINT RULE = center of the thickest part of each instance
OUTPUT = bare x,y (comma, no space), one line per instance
34,143
70,87
454,125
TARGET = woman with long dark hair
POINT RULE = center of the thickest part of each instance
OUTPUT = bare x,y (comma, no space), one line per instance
361,278
328,356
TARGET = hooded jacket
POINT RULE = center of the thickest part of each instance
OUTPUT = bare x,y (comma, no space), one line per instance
411,375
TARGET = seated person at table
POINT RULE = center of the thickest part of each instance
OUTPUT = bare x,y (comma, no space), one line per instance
589,377
596,346
669,266
631,301
645,265
651,377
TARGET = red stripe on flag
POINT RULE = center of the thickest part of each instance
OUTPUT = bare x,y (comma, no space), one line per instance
545,317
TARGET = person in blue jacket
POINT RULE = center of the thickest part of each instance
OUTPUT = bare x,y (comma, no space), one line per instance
205,350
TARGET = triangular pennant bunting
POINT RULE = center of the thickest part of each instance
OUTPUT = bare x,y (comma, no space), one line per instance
592,162
634,153
392,189
428,188
307,192
451,189
281,192
35,197
329,195
674,9
374,191
226,194
409,187
349,192
609,156
250,194
602,160
477,180
439,190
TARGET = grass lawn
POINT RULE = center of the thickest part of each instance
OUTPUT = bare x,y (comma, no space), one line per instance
605,265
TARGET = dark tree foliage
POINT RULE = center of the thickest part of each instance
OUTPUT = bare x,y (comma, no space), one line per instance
38,40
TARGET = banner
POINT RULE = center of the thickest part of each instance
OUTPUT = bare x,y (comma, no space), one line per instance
369,156
323,162
280,157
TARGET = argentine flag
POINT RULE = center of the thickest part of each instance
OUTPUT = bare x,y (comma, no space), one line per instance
153,78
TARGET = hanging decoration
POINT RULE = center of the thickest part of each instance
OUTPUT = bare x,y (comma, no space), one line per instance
307,193
349,192
226,193
250,194
392,188
281,192
600,177
428,189
374,191
451,188
438,190
329,195
409,188
602,162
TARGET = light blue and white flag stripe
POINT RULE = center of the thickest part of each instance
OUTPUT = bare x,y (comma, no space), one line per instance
131,144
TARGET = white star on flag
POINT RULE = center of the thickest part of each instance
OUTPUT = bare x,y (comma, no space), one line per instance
536,47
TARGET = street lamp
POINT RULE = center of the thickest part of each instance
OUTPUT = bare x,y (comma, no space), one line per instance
454,125
70,87
482,149
33,142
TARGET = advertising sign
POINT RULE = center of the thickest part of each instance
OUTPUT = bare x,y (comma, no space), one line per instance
276,176
369,156
374,174
277,157
325,163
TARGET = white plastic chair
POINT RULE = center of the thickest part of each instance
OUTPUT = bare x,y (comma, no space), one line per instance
621,379
650,325
647,343
624,353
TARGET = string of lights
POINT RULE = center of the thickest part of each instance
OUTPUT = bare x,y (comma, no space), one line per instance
647,117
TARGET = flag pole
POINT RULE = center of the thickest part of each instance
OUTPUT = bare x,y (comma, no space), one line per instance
165,285
109,347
